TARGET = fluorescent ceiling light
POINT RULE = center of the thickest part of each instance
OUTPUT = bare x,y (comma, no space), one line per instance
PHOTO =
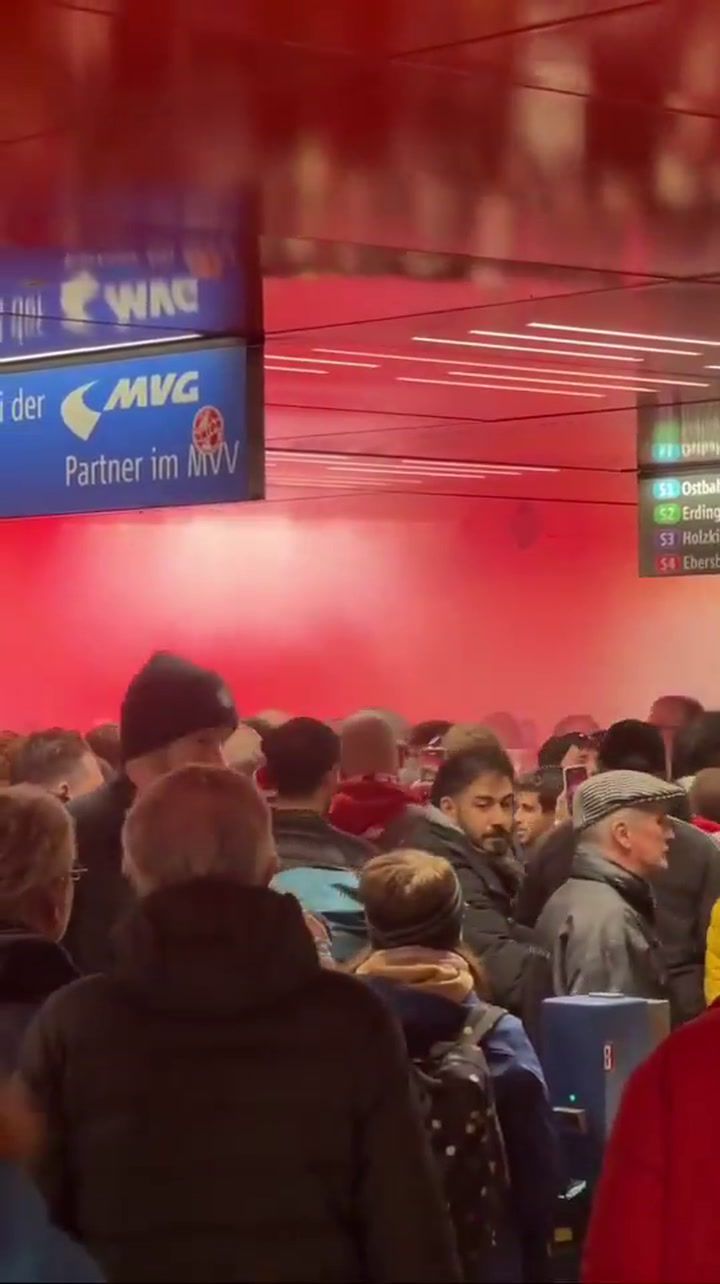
416,470
500,387
514,347
99,347
275,455
504,365
588,343
561,383
712,368
623,334
364,365
293,370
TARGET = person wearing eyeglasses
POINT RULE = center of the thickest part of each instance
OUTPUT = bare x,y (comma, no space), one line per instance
38,872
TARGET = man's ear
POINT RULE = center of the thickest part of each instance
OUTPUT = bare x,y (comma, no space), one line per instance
63,792
447,805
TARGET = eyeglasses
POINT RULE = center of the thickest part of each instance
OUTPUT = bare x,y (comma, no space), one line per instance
76,873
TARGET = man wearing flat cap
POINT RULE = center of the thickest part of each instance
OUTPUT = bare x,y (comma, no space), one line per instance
600,925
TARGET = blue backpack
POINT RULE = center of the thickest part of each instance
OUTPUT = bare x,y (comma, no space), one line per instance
332,894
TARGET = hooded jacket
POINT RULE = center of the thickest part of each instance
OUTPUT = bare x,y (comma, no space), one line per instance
600,930
221,1108
685,893
366,805
516,963
31,968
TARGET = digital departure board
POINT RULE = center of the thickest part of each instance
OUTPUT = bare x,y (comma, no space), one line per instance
679,489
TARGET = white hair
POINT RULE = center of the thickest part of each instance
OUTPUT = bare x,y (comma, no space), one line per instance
601,833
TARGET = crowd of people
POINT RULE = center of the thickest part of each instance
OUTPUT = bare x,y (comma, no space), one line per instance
274,989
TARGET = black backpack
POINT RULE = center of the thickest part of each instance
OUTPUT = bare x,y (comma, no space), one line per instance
458,1104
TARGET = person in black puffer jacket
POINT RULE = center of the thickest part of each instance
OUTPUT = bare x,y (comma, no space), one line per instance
469,822
219,1106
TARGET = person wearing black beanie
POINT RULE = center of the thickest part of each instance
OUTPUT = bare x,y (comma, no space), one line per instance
174,713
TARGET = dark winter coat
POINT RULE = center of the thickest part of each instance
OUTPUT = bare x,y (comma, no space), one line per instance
305,838
221,1108
31,968
685,893
524,1113
103,895
517,965
600,929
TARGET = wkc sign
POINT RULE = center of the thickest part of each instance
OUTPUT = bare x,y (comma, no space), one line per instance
141,433
50,302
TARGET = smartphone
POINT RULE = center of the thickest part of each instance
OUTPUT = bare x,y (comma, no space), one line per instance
573,778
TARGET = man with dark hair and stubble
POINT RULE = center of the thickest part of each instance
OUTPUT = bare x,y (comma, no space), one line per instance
303,769
470,822
59,761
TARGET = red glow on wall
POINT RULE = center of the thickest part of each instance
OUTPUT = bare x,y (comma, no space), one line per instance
426,605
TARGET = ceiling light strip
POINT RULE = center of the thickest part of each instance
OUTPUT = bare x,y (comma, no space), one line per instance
587,343
623,334
500,387
561,383
277,456
515,347
294,370
361,365
372,470
504,365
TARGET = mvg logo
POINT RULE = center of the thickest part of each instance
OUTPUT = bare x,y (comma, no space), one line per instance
141,392
82,297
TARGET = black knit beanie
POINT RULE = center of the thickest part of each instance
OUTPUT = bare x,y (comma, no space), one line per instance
168,699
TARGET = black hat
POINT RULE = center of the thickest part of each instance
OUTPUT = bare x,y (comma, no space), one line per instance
168,699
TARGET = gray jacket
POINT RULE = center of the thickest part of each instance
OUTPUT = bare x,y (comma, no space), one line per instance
600,930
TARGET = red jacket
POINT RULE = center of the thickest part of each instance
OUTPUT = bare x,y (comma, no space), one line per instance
366,805
656,1218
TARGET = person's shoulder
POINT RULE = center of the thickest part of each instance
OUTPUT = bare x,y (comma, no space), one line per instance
352,846
509,1050
111,797
77,1004
352,1000
559,842
689,842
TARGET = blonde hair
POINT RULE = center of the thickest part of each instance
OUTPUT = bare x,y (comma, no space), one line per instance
37,843
198,822
406,886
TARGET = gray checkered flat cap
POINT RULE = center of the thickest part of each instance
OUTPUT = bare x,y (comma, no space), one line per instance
611,791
